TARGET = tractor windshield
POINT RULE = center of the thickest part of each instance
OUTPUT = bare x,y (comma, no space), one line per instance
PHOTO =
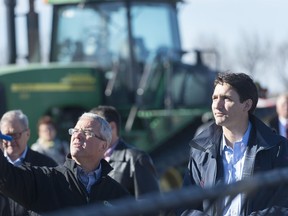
107,31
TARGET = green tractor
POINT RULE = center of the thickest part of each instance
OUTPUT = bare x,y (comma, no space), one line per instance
121,53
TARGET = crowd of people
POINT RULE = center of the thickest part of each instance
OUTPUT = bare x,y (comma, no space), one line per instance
99,166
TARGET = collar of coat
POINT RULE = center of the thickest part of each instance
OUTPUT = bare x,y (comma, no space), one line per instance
71,164
261,135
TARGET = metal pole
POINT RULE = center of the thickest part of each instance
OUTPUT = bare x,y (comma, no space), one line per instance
11,32
33,34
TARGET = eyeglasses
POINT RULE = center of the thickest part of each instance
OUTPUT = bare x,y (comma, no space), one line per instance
87,133
17,135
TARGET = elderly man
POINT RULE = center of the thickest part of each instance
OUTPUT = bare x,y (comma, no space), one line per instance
15,124
83,178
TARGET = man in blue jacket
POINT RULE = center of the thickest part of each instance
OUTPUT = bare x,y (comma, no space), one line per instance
236,146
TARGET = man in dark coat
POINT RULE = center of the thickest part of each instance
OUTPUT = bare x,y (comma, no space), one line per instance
279,122
82,180
15,123
132,168
235,147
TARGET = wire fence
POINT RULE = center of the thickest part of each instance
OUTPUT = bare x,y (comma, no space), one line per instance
166,203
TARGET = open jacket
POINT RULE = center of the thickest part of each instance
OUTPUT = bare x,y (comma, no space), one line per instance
265,151
44,189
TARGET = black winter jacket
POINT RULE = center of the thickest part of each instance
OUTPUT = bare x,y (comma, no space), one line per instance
9,207
44,189
133,169
274,124
266,151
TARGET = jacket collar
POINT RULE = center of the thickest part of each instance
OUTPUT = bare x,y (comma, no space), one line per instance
71,165
208,140
118,153
261,135
121,144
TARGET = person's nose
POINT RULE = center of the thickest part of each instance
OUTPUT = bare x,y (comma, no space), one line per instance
79,134
217,103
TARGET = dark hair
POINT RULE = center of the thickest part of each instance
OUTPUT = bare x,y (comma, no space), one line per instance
46,120
242,84
109,113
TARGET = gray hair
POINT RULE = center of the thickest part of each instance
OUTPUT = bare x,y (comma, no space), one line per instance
16,114
105,129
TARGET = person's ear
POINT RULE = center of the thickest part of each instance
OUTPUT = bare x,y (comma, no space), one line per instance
247,105
28,132
105,146
113,126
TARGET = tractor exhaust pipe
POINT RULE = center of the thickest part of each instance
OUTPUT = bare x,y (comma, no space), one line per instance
11,33
33,34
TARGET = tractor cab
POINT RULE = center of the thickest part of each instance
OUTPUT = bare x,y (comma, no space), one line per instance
137,46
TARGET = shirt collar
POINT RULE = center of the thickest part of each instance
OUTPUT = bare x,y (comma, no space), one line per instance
88,179
244,139
19,160
110,150
96,171
283,121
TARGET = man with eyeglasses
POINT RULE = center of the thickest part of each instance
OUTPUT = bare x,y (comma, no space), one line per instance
15,124
82,180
